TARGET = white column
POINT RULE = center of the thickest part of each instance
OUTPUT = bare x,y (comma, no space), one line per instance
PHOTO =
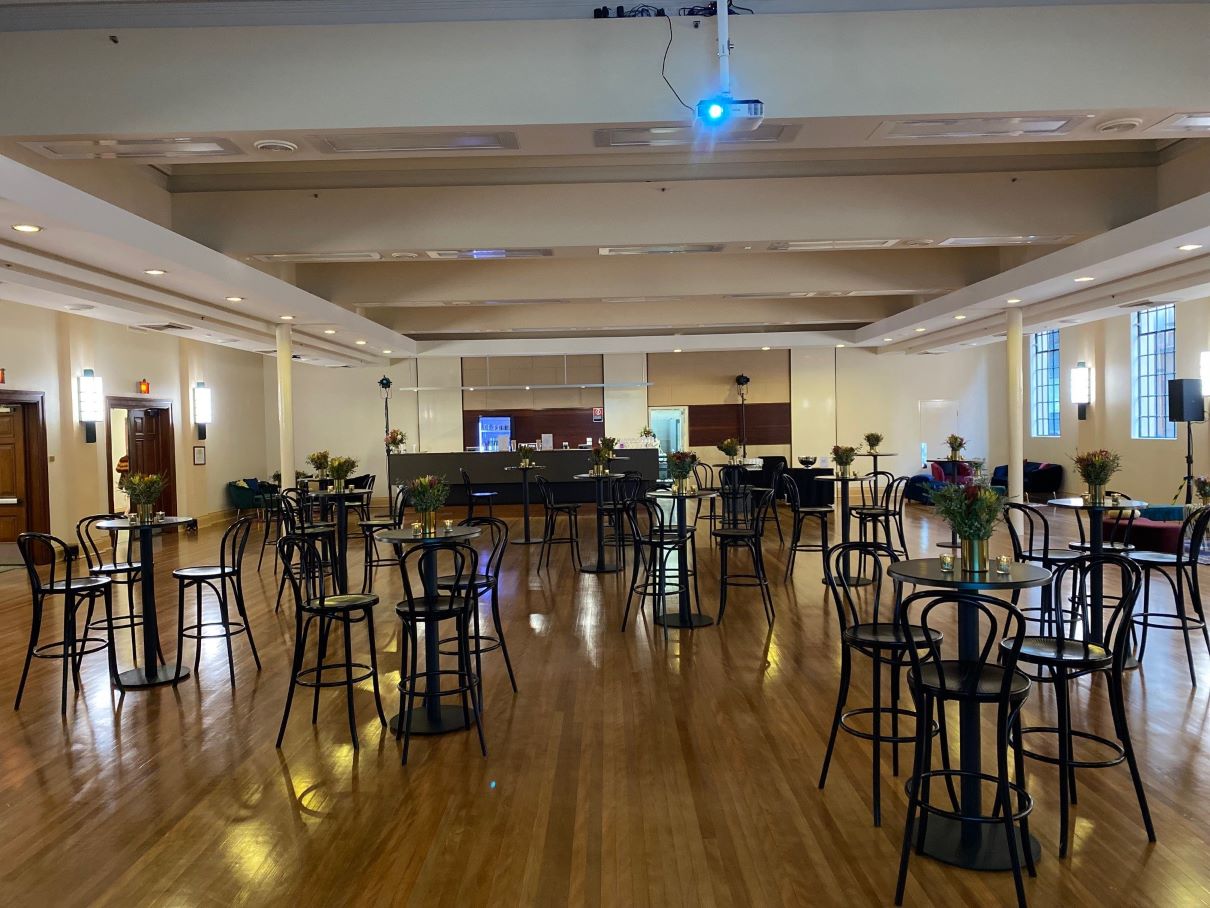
1016,407
285,404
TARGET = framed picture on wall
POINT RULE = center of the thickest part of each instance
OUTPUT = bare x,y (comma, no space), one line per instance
199,455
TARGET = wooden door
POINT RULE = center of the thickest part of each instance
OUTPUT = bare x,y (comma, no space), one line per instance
149,448
14,489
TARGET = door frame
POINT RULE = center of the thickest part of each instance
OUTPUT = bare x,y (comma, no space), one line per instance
37,464
141,403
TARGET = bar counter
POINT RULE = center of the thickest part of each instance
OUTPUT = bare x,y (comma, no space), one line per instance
488,473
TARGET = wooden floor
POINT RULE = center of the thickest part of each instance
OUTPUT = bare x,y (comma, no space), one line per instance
628,771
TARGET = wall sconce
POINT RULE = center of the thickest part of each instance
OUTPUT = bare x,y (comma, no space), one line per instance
91,397
144,386
1081,388
203,409
1204,363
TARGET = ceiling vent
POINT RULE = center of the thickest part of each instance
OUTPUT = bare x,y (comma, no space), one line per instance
168,326
655,136
1186,123
829,245
1120,125
78,307
105,149
488,254
1007,240
302,258
403,142
275,146
682,249
640,299
978,127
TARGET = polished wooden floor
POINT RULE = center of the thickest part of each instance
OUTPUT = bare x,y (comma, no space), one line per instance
628,771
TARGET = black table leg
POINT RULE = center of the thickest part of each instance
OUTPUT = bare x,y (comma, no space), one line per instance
684,615
1096,546
149,674
526,540
342,545
602,565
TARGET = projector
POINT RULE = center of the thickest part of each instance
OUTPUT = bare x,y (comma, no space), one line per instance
735,115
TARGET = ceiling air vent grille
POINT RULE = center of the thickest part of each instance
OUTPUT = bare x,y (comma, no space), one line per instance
94,149
661,250
302,258
655,136
979,127
168,326
829,245
488,254
402,142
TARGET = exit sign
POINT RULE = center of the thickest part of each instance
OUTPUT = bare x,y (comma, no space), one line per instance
598,414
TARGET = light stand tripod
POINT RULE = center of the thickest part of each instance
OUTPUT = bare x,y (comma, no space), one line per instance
741,387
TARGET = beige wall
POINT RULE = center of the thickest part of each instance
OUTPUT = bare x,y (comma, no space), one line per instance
44,351
482,372
1152,469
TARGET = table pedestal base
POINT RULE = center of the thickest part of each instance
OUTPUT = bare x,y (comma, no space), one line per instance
600,567
448,719
986,850
675,619
136,678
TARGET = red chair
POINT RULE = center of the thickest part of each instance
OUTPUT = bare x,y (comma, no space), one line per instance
958,471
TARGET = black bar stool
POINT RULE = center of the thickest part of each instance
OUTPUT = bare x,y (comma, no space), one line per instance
473,498
655,542
42,548
369,537
886,514
969,675
555,510
800,516
298,519
269,498
304,569
1065,660
457,603
218,578
879,638
125,572
1031,544
742,528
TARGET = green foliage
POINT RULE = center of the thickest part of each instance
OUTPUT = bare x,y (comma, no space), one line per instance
843,455
873,440
341,468
145,488
428,492
319,460
729,446
971,510
681,464
1096,467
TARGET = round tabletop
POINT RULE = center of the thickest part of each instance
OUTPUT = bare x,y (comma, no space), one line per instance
528,466
669,493
835,478
408,534
1082,504
927,571
122,523
951,460
876,454
599,476
344,493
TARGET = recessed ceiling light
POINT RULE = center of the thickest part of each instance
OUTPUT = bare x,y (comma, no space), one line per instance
154,272
287,318
329,330
1187,247
764,348
527,387
360,343
840,346
235,299
676,350
1085,279
888,339
918,330
959,317
1012,299
470,389
27,228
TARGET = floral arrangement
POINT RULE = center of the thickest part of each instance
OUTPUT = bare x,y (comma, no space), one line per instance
1095,467
646,432
600,457
298,474
319,461
971,510
1202,486
608,445
428,493
956,444
729,446
145,488
395,439
681,464
341,468
872,440
526,453
843,455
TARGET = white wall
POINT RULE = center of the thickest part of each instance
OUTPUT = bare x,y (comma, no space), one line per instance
439,413
1152,469
625,408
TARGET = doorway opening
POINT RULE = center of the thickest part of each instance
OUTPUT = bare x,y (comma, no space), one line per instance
139,438
938,418
671,428
24,471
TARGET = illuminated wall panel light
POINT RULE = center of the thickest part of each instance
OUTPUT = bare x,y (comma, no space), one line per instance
203,408
1204,363
1081,388
91,397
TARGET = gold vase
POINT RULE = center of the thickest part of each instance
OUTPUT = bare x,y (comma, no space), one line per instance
429,519
1096,493
976,558
1205,500
680,485
843,470
955,455
146,513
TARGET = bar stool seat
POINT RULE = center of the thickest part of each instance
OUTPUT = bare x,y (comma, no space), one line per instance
952,678
341,602
886,635
1075,654
77,584
204,572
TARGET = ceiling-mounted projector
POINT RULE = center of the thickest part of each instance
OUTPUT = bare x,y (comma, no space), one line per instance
726,112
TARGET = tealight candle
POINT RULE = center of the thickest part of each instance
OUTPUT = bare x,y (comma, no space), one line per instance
1002,564
449,525
947,562
417,526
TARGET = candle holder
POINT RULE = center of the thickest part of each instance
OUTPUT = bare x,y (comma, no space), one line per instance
947,562
1003,564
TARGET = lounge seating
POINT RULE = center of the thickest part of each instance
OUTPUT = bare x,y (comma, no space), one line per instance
1042,480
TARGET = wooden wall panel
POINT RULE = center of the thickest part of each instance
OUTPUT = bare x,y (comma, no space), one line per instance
566,424
768,424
